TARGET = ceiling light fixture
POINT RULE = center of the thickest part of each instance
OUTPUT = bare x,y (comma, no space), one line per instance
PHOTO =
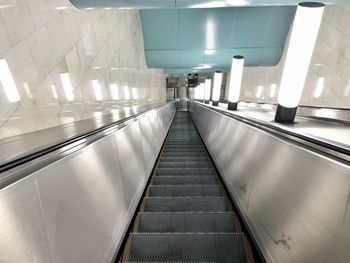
210,35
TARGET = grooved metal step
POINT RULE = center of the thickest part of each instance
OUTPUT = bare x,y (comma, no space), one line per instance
186,222
185,171
185,165
184,159
186,204
183,180
170,247
181,150
188,154
185,190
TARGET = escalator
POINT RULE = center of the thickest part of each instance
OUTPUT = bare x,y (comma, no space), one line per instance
185,215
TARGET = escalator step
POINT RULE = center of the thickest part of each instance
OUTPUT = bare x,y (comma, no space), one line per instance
185,165
184,159
185,171
214,247
188,154
187,222
186,204
185,190
182,143
183,180
182,150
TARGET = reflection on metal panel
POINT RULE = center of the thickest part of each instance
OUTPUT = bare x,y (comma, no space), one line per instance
22,230
148,140
131,154
72,192
78,208
294,200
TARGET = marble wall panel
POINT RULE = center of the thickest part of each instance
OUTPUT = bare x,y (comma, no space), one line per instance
43,40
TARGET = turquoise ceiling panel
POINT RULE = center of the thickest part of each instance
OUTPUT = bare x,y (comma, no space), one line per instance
201,38
192,28
251,25
156,25
190,58
163,58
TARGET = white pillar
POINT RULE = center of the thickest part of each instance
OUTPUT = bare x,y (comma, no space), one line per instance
301,45
235,81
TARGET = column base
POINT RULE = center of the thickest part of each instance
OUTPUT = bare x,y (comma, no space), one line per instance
232,105
215,103
285,115
206,102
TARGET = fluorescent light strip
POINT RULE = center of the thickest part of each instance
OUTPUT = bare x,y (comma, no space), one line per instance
27,90
134,93
301,44
273,90
259,91
8,83
319,87
54,92
210,35
67,86
114,91
97,89
126,92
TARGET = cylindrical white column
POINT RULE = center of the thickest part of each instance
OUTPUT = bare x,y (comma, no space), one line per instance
235,82
217,87
207,90
301,44
196,93
202,88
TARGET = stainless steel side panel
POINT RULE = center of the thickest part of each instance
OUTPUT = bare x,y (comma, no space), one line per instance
22,229
77,209
83,202
295,201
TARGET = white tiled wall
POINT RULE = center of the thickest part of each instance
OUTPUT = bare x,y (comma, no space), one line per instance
41,39
331,61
